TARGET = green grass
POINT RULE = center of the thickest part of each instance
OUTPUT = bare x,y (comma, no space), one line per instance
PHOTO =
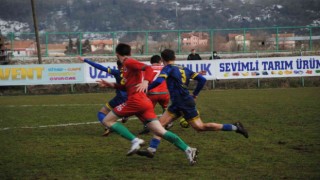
283,125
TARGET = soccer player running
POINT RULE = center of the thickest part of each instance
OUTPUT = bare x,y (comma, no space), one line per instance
182,103
121,95
139,104
160,93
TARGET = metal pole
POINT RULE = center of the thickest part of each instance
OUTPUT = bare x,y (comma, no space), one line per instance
244,40
310,39
36,31
80,45
179,42
146,42
277,40
113,44
211,42
47,42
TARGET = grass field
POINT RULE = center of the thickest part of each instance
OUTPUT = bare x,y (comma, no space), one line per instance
58,137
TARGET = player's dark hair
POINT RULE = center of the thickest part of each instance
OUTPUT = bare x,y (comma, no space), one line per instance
123,49
155,59
168,55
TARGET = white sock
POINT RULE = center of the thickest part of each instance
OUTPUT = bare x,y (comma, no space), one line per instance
135,140
234,128
188,149
153,150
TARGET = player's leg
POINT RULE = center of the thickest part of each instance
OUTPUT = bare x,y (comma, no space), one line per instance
101,115
155,126
155,98
174,139
164,103
167,117
115,101
111,121
154,143
199,126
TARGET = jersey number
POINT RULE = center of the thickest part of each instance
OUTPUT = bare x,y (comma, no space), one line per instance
183,76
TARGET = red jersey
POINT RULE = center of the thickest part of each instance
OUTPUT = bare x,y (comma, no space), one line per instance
137,104
132,74
162,88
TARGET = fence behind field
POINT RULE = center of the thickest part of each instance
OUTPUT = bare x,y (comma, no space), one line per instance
224,41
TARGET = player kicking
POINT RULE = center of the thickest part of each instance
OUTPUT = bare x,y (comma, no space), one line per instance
121,95
182,103
138,104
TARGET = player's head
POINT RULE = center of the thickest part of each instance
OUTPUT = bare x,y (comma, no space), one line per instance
168,55
155,59
123,49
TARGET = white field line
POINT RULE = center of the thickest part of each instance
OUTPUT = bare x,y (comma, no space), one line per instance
50,105
58,125
47,126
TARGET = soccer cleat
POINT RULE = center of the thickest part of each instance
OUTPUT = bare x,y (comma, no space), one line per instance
192,155
183,123
135,147
241,129
106,132
146,153
145,130
169,125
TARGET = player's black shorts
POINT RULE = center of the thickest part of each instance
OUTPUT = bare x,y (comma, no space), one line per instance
185,108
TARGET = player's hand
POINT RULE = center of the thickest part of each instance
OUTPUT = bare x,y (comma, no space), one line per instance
194,97
81,58
142,87
103,83
203,72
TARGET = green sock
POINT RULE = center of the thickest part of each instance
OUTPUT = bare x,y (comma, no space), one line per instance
123,131
176,140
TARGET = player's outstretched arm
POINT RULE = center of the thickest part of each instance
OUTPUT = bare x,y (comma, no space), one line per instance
103,83
96,65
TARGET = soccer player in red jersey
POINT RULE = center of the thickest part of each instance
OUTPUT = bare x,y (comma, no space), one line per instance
139,104
159,94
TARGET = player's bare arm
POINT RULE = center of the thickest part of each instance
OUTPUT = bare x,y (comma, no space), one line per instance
81,58
103,83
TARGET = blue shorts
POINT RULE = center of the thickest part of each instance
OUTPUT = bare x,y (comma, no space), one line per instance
114,102
186,108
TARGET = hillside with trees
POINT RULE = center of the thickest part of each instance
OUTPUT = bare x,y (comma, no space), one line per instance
118,15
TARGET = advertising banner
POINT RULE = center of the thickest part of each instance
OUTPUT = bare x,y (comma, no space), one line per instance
92,74
41,74
275,67
200,65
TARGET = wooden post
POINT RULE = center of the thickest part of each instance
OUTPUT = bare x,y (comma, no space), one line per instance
35,24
